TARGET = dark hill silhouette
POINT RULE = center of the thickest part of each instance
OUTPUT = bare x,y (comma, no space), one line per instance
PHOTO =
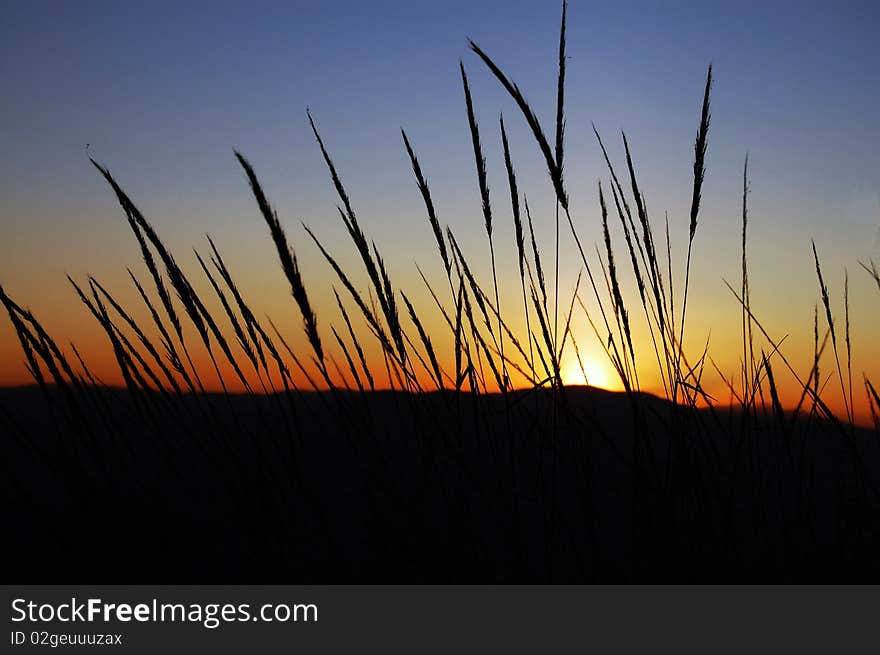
389,487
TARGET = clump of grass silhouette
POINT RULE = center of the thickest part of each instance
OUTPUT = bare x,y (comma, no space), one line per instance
686,466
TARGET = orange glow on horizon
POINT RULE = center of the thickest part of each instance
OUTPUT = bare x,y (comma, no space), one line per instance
601,374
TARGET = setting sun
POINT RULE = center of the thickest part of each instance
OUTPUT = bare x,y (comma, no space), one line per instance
598,373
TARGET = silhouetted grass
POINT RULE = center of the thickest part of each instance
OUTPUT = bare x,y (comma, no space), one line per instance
316,472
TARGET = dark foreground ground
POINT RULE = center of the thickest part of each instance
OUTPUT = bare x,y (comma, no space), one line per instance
397,488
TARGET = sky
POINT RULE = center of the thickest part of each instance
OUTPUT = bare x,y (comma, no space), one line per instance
163,93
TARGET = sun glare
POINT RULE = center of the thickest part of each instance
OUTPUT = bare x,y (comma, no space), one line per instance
597,373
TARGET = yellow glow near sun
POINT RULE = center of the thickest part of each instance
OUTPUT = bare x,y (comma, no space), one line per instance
598,375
